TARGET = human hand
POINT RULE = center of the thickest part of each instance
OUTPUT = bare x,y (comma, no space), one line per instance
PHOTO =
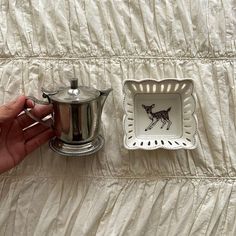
18,137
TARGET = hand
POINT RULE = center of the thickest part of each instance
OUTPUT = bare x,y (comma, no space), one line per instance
18,137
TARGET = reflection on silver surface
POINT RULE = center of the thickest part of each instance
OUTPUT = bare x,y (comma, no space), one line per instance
76,118
77,123
76,150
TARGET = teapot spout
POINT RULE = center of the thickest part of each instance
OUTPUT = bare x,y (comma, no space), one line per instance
103,95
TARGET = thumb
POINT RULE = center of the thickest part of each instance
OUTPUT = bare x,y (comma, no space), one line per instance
12,109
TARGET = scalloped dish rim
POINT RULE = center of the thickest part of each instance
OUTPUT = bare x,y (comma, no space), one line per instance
188,140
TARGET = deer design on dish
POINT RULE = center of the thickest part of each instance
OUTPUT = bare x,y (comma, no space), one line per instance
162,115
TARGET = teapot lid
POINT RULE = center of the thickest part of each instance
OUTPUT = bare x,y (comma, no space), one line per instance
74,93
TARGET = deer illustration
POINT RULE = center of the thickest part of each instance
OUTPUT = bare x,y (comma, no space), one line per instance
155,117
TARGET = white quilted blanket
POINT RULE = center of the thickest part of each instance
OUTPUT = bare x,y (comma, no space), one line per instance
116,191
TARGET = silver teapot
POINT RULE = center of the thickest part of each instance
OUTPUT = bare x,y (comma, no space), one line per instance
76,118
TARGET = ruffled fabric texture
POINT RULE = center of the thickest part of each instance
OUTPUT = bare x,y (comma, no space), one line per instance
116,191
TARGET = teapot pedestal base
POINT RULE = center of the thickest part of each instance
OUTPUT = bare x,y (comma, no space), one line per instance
76,150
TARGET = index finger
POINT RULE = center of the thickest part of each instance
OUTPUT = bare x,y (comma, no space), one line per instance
39,111
12,109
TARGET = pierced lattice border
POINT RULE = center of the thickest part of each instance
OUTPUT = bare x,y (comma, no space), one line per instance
185,88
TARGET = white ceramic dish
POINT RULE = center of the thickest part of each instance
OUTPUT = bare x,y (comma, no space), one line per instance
159,114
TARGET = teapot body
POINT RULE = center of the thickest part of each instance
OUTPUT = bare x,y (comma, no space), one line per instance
77,123
76,118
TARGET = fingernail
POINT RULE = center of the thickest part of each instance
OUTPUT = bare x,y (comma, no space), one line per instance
30,103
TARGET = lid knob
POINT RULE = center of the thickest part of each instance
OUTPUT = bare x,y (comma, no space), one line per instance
74,88
74,83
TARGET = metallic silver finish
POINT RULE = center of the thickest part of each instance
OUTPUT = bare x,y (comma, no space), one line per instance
35,100
103,96
77,123
76,117
72,94
86,149
74,83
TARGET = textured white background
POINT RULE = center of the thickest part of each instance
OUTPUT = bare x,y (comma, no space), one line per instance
120,192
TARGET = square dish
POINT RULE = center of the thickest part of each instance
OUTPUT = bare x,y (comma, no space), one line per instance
159,114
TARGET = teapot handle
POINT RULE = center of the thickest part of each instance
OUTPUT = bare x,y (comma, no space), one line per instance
28,113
